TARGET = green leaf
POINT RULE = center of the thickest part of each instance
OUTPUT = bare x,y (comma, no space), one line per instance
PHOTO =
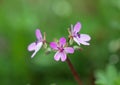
109,76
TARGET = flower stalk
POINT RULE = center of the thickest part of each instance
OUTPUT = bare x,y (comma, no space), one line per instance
75,74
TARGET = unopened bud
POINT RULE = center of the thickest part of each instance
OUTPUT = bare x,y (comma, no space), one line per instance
77,48
48,51
45,45
71,41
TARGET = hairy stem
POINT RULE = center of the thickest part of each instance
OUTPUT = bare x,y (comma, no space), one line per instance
75,74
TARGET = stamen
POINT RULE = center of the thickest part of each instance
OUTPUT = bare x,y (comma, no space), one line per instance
44,36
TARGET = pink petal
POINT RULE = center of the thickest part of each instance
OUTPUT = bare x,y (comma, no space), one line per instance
69,50
63,56
84,37
38,34
57,56
37,48
84,43
62,41
77,27
33,54
32,46
76,40
53,45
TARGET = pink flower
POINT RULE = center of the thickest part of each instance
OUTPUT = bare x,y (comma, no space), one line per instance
36,46
79,38
61,49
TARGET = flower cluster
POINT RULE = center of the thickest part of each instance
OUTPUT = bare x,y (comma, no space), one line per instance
61,47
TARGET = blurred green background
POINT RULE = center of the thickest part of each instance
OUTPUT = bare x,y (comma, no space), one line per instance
98,63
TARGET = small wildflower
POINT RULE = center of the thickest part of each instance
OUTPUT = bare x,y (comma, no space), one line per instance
36,46
78,38
62,49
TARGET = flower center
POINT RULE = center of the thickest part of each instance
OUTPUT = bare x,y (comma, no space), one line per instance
36,42
78,35
61,49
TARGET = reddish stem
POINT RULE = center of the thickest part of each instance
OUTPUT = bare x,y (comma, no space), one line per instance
75,74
